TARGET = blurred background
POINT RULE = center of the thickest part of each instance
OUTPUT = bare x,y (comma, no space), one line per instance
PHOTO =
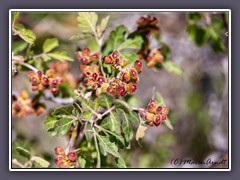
197,98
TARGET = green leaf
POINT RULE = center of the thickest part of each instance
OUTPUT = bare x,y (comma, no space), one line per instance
80,37
108,146
87,22
126,127
172,67
120,163
111,122
140,132
81,162
89,132
159,99
130,56
134,117
64,110
217,23
105,100
87,105
15,16
19,46
50,121
26,34
50,44
134,43
168,124
116,38
42,162
61,127
121,105
103,24
24,152
60,55
200,35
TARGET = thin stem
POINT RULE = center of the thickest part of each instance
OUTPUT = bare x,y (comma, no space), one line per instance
97,149
105,113
30,67
16,162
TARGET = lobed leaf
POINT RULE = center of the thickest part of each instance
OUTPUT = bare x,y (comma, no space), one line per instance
42,162
60,55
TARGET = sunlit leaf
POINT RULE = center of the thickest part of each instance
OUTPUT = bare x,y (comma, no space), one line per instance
60,55
24,152
26,34
19,46
134,43
50,44
140,132
87,22
172,67
42,162
81,162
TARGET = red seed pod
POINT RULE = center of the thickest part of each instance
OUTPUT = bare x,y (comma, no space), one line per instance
164,117
133,73
72,156
115,55
86,52
138,66
149,116
126,77
94,86
45,80
111,91
82,67
59,150
164,110
35,88
121,90
102,80
35,80
95,76
54,82
159,110
108,60
39,73
94,57
152,108
58,160
132,87
64,164
89,81
54,90
30,74
79,55
84,60
142,21
153,102
153,20
157,119
104,87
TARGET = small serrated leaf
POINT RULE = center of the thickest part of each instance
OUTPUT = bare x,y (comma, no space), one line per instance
172,67
15,16
120,162
108,146
50,121
87,22
81,162
26,34
105,100
104,23
50,44
60,55
133,43
42,162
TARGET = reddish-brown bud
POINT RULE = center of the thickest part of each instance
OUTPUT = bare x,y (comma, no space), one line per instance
159,110
104,87
64,164
111,91
132,88
86,52
95,76
138,65
35,88
149,116
54,90
102,80
72,156
121,90
45,80
89,81
58,160
94,86
152,108
157,119
108,60
35,80
126,76
115,55
84,60
59,150
133,73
